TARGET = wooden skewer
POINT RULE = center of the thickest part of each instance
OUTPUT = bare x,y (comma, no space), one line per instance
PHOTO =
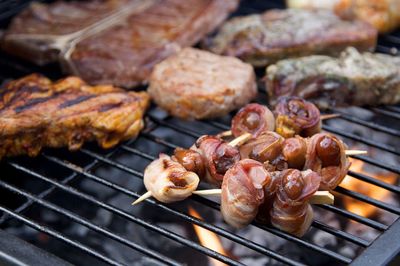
355,152
320,197
240,140
142,198
329,116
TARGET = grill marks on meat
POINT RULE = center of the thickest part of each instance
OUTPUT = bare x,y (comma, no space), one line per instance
125,51
276,34
36,113
352,79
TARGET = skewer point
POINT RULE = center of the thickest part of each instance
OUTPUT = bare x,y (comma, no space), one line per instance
322,197
142,198
355,152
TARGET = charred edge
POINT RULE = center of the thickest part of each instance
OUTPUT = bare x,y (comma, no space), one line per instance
31,103
75,101
18,92
109,106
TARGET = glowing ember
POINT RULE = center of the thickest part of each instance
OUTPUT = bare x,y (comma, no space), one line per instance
208,239
365,188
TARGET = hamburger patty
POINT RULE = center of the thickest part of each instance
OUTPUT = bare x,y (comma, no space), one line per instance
196,84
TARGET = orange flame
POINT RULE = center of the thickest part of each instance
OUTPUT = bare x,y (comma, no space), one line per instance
365,188
208,239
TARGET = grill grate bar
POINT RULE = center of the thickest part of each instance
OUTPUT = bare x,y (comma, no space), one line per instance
58,236
130,217
387,113
374,181
191,219
355,217
282,234
395,109
382,165
369,200
371,125
362,140
90,225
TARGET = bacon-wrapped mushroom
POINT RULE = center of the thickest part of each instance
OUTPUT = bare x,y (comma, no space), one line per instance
267,149
191,160
242,192
296,116
326,155
254,119
294,152
218,157
270,189
168,181
291,211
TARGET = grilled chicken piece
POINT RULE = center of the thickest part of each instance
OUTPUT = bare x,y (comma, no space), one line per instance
277,34
168,181
111,41
253,118
242,192
198,84
384,15
352,79
36,113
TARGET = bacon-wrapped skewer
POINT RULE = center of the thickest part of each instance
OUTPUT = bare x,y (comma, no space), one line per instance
218,157
266,148
168,181
326,155
242,192
291,211
254,119
296,116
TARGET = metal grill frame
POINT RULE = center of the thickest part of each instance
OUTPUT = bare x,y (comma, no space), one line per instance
375,252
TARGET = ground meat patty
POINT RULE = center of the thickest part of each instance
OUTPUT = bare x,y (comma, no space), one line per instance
196,84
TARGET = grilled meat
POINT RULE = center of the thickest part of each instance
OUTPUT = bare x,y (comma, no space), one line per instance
119,42
198,84
36,113
168,181
384,15
352,79
242,192
291,211
276,34
253,118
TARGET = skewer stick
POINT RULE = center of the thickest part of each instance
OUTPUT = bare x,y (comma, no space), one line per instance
208,192
329,116
355,152
320,197
225,133
142,198
240,140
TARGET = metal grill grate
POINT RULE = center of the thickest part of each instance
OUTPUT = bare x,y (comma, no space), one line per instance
39,183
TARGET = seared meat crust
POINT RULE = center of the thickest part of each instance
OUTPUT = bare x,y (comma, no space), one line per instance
196,84
352,79
276,34
120,49
36,113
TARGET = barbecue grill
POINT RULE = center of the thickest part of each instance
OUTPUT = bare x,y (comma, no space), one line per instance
42,198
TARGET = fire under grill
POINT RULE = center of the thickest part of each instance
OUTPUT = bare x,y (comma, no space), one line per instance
77,205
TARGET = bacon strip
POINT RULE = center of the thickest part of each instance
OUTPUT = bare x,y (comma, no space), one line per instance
296,116
291,211
168,181
242,192
254,119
